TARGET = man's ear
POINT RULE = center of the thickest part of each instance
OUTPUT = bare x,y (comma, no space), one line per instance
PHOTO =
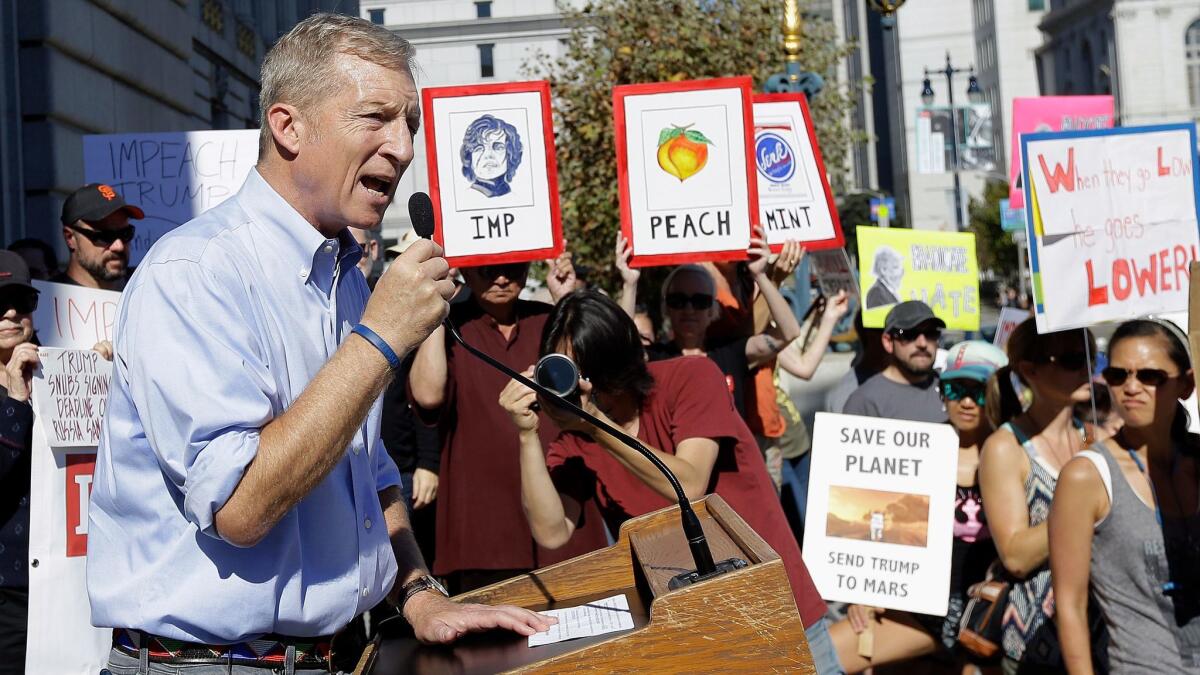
888,344
1189,385
69,238
287,128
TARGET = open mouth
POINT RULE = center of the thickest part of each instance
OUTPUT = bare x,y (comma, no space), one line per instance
377,186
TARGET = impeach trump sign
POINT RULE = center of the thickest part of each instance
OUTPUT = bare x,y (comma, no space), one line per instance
937,268
1112,222
881,512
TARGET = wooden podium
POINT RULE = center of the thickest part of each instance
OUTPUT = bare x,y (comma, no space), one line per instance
744,620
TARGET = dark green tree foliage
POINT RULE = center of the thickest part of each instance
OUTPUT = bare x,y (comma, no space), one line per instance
996,249
614,42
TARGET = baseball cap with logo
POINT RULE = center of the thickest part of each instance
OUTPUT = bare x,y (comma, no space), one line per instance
14,271
96,201
910,314
973,359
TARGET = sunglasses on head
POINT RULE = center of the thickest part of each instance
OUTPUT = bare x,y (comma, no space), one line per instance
698,301
1068,361
106,238
23,301
1151,377
956,390
932,333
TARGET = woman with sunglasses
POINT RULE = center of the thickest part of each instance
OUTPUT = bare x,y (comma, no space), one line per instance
1125,519
1018,469
901,636
681,410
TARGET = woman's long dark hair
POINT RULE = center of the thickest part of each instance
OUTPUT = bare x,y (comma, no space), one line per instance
1178,354
1025,344
604,342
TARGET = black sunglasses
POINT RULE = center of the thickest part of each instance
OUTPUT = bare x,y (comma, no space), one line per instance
1069,361
956,390
909,334
23,301
106,238
508,270
1151,377
698,301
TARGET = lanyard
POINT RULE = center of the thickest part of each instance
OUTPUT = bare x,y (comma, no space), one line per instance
1169,586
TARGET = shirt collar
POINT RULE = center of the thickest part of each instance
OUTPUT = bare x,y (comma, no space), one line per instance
299,242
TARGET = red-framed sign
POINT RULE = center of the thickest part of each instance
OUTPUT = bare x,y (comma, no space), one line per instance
685,171
794,198
493,177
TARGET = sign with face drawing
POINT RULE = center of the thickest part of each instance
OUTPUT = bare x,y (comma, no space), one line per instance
492,173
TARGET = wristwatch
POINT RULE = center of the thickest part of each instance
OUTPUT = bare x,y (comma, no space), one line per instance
422,583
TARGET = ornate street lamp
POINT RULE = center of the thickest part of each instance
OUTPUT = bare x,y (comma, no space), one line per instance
886,8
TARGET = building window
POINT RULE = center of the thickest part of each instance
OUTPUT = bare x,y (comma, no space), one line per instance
487,67
1191,48
1037,5
483,10
376,16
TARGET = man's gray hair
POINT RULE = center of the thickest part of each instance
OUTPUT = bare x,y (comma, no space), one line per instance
885,254
300,68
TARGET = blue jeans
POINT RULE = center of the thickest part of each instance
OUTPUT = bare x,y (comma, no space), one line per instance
795,492
824,656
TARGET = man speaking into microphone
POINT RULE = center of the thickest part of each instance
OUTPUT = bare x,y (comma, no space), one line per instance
244,509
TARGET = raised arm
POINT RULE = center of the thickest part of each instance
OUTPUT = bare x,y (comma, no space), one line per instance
1003,466
765,345
1079,502
803,364
629,276
427,379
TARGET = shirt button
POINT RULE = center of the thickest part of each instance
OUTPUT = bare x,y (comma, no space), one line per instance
356,449
365,591
303,271
328,248
367,523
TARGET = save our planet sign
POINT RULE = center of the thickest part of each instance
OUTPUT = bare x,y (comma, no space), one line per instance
685,171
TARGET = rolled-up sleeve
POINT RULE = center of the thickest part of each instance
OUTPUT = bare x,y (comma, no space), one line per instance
387,474
198,380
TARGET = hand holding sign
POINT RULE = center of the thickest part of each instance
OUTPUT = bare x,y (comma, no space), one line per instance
20,369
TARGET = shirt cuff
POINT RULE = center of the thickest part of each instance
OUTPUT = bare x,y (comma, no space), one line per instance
214,475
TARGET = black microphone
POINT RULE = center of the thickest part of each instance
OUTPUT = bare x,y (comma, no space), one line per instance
420,210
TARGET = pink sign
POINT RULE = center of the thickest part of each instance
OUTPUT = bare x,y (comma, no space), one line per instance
1051,113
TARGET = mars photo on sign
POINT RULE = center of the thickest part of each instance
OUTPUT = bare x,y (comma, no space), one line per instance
876,515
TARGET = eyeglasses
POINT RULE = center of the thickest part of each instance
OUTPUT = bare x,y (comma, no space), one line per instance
105,238
509,271
1151,377
956,390
698,301
23,301
910,334
1069,361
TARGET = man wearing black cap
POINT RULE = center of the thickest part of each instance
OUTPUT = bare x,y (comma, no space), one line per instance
907,387
96,228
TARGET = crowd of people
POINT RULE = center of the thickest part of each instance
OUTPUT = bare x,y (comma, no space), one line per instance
250,428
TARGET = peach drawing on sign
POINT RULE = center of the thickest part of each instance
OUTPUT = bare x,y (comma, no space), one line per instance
682,151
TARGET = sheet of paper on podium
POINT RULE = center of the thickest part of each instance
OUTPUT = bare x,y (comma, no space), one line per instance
595,618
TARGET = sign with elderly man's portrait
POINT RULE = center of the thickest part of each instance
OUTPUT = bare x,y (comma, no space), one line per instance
492,174
937,268
684,169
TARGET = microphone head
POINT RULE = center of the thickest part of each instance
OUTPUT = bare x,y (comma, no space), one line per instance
420,212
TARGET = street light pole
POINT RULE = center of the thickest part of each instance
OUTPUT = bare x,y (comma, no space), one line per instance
972,92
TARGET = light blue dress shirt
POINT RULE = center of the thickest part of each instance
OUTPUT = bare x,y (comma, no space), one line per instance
226,321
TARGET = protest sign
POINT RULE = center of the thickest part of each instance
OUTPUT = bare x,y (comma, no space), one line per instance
1051,113
794,198
834,273
1111,221
684,171
880,510
1011,219
492,172
70,392
172,176
70,396
74,316
937,268
1010,318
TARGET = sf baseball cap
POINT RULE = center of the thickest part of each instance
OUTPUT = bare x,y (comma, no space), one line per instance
14,271
973,359
96,201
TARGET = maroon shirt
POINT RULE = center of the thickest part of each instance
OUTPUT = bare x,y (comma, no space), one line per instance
480,522
689,400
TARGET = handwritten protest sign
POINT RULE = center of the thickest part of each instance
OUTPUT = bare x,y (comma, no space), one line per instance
794,198
492,172
73,316
172,176
834,273
880,518
1051,113
684,170
70,395
937,268
1010,318
1112,222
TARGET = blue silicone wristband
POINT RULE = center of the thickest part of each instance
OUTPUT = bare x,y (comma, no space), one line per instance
373,337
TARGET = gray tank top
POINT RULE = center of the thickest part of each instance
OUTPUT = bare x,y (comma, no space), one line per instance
1153,628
